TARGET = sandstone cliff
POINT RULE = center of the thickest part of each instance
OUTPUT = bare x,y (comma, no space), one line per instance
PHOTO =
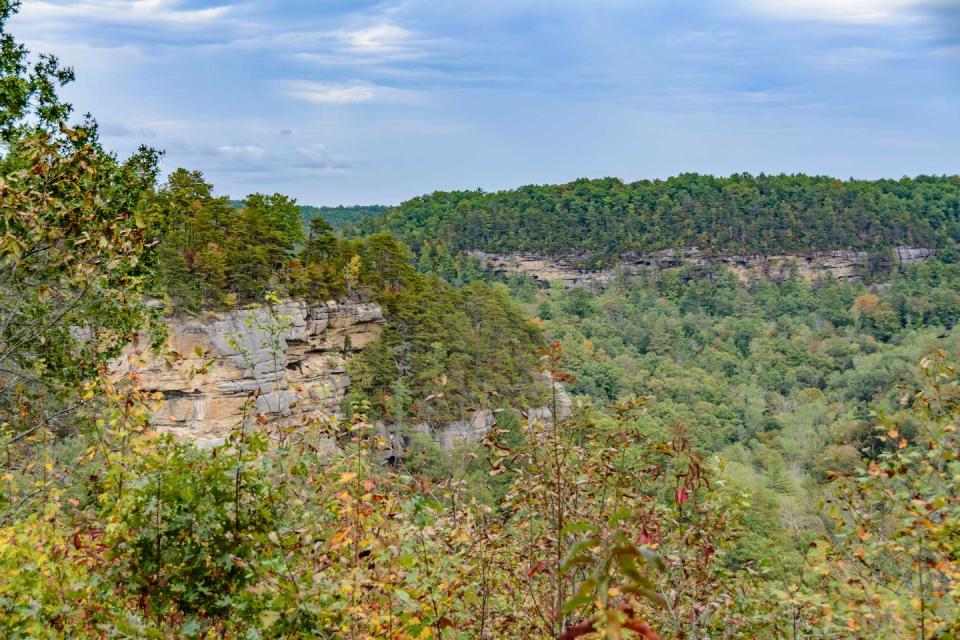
842,265
287,362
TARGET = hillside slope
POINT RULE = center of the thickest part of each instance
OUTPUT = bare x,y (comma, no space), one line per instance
739,215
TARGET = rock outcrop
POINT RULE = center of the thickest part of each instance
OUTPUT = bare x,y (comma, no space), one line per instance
287,363
475,427
842,265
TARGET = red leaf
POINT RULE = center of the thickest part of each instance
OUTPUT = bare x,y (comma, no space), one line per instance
539,567
682,495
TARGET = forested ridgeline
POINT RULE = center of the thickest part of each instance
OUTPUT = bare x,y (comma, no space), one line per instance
738,215
341,216
337,217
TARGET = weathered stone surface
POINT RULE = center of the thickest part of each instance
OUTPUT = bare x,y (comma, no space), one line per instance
566,269
287,363
478,425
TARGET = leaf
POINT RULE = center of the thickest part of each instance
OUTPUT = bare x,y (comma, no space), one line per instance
582,597
619,516
576,554
578,527
649,594
653,559
539,567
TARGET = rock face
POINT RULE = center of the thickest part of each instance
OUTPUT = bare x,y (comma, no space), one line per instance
842,265
287,363
478,425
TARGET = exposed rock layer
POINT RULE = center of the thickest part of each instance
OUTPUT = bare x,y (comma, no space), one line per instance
476,425
566,269
286,363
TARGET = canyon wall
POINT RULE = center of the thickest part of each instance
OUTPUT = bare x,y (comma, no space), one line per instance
842,265
287,363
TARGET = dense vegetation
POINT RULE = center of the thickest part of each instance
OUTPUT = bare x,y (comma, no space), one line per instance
778,460
784,381
211,255
341,216
739,215
337,217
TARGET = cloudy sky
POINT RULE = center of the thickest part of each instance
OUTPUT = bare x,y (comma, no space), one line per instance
355,101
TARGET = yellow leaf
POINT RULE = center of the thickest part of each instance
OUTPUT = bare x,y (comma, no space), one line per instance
347,477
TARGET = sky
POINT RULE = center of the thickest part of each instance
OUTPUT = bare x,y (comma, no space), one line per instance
362,102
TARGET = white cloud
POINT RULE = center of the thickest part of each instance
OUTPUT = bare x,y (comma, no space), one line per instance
847,11
377,43
120,12
319,93
859,58
242,152
318,157
119,130
88,59
307,159
378,39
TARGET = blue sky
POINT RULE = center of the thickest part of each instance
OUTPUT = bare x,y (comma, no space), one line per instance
336,101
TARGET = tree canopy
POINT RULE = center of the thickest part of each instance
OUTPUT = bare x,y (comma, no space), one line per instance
738,215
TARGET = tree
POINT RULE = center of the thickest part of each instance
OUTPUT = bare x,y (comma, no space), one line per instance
72,243
192,226
29,101
889,564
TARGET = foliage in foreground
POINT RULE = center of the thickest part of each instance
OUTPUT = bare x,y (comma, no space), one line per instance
599,526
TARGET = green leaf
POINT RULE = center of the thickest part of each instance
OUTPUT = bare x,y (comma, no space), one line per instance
578,527
653,559
583,596
650,594
619,516
576,554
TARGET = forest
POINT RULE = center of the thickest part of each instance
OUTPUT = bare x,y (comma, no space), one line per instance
336,217
763,459
341,216
738,215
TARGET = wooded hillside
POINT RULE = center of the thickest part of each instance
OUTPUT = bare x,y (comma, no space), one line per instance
739,215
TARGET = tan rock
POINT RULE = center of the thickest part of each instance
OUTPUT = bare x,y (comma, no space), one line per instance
566,269
287,363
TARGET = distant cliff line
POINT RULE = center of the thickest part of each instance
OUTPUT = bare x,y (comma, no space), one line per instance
570,268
